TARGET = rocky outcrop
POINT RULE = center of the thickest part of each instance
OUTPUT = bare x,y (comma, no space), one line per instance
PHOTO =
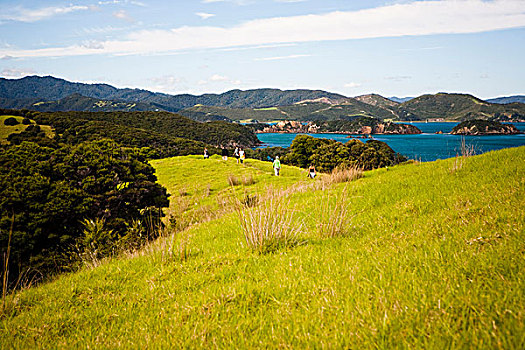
484,127
366,126
290,126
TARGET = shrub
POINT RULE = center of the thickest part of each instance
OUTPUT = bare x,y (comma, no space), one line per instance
26,121
11,121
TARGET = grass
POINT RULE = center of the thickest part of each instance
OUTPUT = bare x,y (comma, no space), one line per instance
6,130
433,259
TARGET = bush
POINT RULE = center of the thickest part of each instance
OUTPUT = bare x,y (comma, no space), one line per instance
11,121
51,191
326,154
26,121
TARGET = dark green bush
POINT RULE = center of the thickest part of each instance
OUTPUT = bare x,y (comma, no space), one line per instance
51,191
11,121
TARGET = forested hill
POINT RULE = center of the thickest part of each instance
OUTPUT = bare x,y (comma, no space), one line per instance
75,102
461,107
44,89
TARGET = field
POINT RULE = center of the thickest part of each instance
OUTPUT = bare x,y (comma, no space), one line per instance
431,255
6,130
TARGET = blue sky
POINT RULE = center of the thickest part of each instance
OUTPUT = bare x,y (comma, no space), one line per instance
401,48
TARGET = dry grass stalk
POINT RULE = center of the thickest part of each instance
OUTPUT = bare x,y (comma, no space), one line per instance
333,216
271,225
236,181
346,174
466,151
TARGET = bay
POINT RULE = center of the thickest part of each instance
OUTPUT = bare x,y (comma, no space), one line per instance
427,146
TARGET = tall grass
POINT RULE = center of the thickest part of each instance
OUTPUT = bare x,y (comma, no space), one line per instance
332,214
464,152
343,174
270,225
240,180
5,275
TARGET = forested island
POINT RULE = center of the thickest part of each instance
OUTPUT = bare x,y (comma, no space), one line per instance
484,127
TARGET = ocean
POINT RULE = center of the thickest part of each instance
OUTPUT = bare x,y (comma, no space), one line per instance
427,146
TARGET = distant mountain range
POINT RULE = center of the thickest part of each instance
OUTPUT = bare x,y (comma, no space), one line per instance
46,89
508,99
400,99
53,94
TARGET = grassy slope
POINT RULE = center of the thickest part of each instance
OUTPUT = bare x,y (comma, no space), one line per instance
434,258
6,130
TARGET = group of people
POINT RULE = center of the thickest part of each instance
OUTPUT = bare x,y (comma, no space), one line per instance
240,155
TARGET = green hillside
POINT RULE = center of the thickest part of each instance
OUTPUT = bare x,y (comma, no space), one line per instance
303,111
6,130
77,102
460,107
432,256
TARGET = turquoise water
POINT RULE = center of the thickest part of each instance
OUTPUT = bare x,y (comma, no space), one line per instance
427,146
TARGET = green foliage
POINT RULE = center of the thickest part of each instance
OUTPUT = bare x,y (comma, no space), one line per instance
11,121
26,121
164,131
96,241
326,154
51,190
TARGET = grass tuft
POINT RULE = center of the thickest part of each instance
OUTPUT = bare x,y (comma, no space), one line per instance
346,174
271,225
333,218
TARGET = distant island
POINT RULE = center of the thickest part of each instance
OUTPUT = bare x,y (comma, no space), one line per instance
360,125
484,127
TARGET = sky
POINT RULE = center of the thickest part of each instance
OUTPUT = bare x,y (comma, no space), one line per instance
353,47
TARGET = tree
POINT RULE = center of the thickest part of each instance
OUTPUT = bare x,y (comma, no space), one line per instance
50,191
11,121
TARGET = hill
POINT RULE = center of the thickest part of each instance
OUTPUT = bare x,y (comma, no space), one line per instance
170,125
483,127
460,107
36,89
507,99
301,111
431,257
77,102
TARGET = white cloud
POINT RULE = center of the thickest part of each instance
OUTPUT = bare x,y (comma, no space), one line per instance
123,15
352,85
398,77
32,15
219,79
166,83
205,15
17,72
280,58
413,18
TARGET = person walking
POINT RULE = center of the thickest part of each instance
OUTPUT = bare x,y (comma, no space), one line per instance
236,154
206,154
224,153
311,171
276,165
242,155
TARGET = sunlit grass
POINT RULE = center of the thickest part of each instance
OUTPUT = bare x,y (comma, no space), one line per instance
433,259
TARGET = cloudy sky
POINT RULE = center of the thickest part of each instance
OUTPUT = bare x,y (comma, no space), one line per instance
353,47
